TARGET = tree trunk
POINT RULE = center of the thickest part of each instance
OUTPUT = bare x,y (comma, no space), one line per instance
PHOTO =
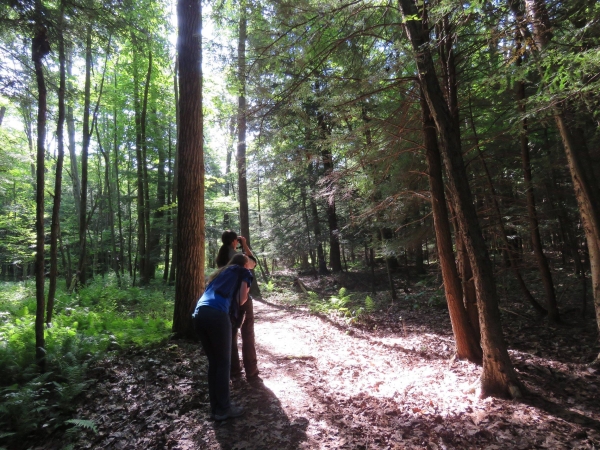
121,265
175,177
512,262
82,268
190,191
72,147
467,341
54,229
498,377
241,126
111,213
39,49
334,240
587,190
536,240
149,262
141,217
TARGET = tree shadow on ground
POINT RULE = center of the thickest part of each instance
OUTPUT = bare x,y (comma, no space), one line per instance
264,423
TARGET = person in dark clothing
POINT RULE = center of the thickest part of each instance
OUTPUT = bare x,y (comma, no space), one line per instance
231,241
213,326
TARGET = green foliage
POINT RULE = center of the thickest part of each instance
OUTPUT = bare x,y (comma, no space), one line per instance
352,310
100,318
81,423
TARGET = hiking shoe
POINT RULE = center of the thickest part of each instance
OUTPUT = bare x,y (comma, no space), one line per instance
232,412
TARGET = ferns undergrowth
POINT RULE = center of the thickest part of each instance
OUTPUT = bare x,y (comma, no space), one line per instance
88,325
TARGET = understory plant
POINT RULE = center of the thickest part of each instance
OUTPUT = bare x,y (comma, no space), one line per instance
342,304
87,326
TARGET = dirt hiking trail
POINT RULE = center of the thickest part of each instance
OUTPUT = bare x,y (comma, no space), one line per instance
331,386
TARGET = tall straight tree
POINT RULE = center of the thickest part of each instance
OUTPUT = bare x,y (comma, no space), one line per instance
82,268
39,49
242,125
498,377
190,189
54,230
467,340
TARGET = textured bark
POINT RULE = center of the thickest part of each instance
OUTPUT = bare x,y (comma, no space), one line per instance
54,228
467,341
498,377
189,283
39,49
241,127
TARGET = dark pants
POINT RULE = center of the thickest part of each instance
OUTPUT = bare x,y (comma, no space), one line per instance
214,330
248,350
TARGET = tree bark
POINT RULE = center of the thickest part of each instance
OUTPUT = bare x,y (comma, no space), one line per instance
139,154
467,341
190,190
498,377
241,126
39,49
54,229
82,267
72,147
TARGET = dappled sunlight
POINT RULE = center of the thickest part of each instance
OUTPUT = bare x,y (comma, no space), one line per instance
388,368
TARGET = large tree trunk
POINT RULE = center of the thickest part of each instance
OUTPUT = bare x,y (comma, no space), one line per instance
467,341
39,49
190,190
498,377
241,126
54,229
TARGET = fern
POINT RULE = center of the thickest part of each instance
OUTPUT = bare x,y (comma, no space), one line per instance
82,423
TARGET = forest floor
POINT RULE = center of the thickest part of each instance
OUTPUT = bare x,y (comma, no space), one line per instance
387,382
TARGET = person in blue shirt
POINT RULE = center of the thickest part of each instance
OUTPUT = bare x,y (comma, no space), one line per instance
213,326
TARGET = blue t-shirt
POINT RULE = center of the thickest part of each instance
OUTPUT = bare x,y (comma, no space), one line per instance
214,294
